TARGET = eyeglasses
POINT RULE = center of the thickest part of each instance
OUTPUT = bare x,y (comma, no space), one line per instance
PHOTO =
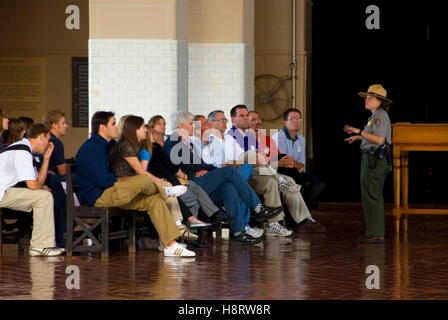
294,118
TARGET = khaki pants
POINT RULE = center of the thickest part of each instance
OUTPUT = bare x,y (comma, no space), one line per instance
142,194
41,203
268,186
295,204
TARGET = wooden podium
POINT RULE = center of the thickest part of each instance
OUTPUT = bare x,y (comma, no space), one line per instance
413,137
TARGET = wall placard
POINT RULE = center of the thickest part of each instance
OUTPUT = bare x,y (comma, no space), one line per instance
23,86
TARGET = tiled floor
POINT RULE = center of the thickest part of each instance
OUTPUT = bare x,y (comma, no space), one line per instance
305,266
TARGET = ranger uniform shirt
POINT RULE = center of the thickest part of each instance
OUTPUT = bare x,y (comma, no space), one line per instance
378,124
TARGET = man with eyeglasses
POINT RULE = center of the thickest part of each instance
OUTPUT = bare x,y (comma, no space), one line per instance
292,144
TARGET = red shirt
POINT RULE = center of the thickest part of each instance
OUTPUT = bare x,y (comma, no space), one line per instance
267,146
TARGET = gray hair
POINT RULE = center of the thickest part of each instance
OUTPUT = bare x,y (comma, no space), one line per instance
212,115
180,117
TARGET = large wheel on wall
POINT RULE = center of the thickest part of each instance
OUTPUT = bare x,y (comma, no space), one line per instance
271,96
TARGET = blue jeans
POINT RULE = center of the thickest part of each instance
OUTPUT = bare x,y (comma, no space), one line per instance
227,185
245,171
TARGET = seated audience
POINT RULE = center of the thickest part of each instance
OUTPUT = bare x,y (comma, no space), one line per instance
101,188
23,189
222,184
154,159
124,163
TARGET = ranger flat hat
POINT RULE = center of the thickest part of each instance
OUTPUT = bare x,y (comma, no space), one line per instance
378,91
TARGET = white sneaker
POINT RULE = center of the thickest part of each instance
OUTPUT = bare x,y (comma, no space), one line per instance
176,250
162,247
277,230
175,191
46,252
254,232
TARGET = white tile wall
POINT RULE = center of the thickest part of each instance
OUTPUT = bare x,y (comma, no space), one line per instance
221,75
141,77
149,77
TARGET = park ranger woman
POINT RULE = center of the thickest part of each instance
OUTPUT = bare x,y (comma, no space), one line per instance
376,160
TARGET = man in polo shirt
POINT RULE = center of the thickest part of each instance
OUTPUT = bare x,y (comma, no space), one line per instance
292,143
22,189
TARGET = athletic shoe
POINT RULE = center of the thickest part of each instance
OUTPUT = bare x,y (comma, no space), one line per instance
176,250
46,252
254,232
266,213
277,230
175,191
243,238
162,247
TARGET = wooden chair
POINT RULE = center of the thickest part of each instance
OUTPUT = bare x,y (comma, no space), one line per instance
101,218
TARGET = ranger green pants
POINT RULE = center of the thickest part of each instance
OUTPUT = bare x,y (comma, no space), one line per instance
373,175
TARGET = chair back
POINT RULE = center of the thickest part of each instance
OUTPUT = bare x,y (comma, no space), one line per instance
71,188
